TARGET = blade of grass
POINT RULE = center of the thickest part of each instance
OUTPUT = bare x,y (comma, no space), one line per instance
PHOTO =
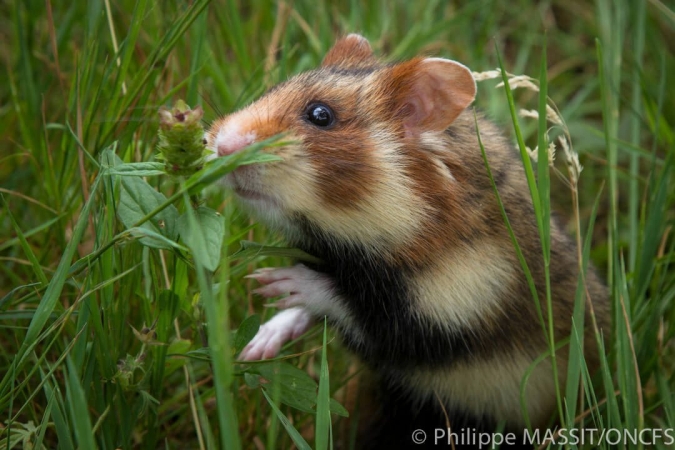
609,68
323,424
654,227
576,362
512,235
544,213
635,127
543,174
77,405
198,35
540,193
113,37
61,424
298,440
519,253
44,423
204,432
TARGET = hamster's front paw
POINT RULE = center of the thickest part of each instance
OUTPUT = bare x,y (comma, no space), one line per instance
283,327
310,295
303,286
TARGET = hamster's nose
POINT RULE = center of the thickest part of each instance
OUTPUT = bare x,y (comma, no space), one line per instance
231,139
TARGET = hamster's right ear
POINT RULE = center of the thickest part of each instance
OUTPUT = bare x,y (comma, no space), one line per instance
430,93
352,50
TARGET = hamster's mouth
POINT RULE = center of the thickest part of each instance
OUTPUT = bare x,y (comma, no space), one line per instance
240,182
257,200
249,194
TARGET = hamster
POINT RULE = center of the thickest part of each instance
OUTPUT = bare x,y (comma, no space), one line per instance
385,183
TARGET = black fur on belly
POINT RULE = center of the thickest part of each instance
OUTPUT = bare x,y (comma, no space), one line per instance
378,295
399,417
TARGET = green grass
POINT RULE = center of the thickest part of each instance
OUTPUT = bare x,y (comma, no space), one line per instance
106,324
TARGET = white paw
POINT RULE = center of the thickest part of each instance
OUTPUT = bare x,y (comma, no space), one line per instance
283,327
303,286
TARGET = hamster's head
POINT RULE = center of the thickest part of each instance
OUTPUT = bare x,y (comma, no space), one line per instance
355,167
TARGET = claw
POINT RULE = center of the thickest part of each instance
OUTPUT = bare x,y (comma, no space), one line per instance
260,273
285,303
276,288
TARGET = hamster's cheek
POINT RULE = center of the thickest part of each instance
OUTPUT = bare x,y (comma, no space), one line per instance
292,181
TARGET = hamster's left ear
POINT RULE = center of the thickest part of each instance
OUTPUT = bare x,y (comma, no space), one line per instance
430,93
352,50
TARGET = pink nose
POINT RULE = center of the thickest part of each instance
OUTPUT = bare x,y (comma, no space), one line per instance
230,141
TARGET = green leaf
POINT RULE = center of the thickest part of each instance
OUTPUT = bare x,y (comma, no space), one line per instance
527,163
247,330
337,408
210,226
150,238
297,388
137,199
7,297
139,169
200,354
252,380
179,347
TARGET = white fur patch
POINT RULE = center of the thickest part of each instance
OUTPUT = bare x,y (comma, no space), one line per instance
463,285
491,387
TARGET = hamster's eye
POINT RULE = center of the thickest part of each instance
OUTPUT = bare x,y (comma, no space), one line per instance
320,115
